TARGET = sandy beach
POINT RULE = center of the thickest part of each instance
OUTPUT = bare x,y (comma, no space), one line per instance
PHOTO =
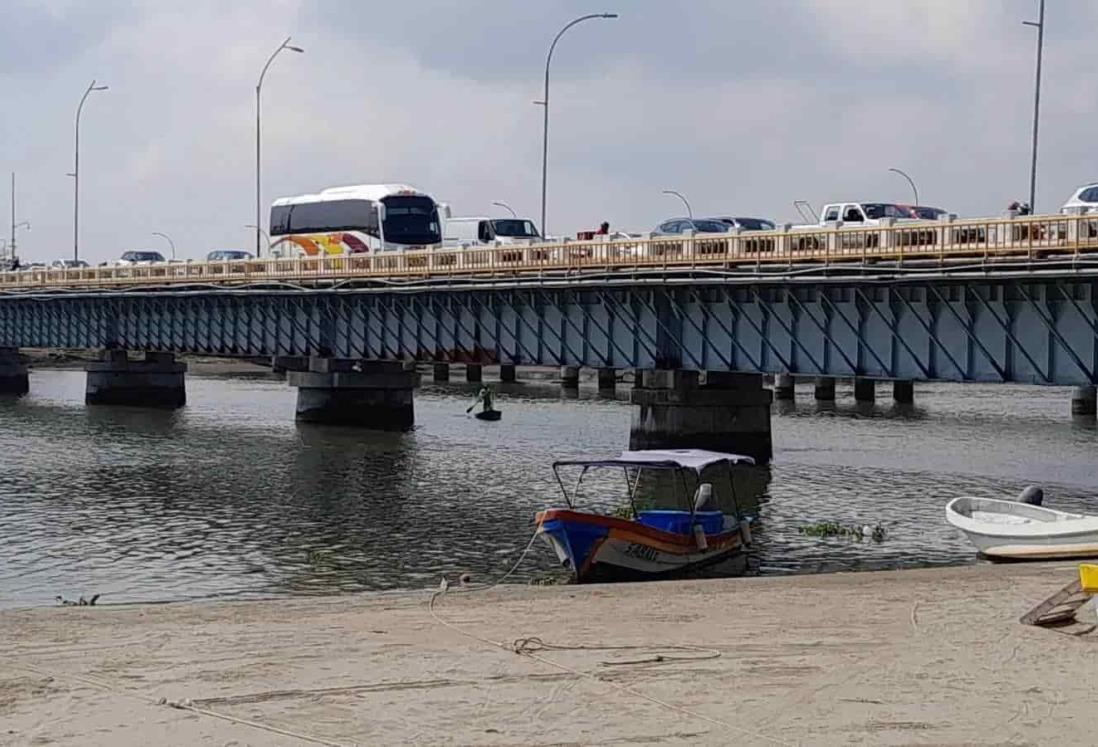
895,658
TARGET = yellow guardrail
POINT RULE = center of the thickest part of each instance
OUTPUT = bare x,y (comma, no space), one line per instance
1032,237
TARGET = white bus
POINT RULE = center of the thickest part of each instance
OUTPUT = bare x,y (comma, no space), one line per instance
356,219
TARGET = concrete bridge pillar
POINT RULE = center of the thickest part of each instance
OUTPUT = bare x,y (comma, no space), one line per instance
718,411
441,373
784,387
156,381
508,373
13,373
825,389
570,377
367,394
1084,401
474,373
608,380
903,391
865,390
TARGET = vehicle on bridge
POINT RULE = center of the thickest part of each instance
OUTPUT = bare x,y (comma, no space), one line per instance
1082,200
356,220
228,255
140,257
679,226
68,264
481,231
748,224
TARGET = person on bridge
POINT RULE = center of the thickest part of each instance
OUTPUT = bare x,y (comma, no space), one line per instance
604,229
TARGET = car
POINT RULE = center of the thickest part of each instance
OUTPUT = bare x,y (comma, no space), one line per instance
749,224
677,226
481,231
1082,200
923,212
68,264
227,255
140,257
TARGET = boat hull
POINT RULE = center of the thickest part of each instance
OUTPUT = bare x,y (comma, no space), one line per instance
1006,530
603,548
489,415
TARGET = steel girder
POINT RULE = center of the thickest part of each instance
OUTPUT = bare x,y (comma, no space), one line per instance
1034,331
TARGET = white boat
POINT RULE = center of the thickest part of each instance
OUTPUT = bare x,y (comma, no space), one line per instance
1011,530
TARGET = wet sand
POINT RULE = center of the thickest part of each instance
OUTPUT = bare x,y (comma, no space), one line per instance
931,656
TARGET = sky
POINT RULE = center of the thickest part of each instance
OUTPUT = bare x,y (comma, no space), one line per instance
743,106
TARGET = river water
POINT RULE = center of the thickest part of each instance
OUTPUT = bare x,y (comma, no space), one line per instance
229,498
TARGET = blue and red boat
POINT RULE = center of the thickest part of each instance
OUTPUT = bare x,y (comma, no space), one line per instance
679,516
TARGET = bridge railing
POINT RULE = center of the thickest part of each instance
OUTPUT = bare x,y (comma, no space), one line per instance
983,240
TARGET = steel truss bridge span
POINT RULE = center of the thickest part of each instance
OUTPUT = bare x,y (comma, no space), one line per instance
1033,322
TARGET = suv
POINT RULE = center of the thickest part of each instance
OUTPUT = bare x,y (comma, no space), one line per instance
1082,200
68,264
142,257
227,255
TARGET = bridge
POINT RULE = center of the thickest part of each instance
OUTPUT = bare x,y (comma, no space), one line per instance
703,317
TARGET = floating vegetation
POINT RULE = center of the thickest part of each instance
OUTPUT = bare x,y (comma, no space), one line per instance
876,532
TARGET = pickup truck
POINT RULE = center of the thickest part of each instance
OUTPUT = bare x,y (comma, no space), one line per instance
855,215
864,213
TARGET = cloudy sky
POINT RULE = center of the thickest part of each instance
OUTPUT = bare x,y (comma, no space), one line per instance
744,106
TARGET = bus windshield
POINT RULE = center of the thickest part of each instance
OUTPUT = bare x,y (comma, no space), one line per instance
516,228
411,220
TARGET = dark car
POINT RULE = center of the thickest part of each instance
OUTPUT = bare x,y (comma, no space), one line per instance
922,212
677,226
227,255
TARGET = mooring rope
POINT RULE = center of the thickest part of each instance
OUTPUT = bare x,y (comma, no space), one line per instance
529,646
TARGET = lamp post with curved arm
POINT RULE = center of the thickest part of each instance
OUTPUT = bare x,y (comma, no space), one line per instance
545,103
689,212
1039,24
76,173
258,133
507,207
909,181
169,238
260,232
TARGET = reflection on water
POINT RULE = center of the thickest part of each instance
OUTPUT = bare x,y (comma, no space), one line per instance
228,497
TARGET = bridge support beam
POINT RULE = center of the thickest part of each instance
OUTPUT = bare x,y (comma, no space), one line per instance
903,391
1084,401
366,394
865,390
570,377
508,373
13,373
783,387
156,381
825,389
684,410
441,373
608,381
474,373
280,364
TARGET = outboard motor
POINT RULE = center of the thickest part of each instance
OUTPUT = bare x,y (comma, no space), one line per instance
1032,495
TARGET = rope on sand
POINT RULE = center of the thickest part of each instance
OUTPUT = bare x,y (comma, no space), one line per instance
529,646
184,705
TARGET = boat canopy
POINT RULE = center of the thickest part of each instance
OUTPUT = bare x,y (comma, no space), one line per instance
692,459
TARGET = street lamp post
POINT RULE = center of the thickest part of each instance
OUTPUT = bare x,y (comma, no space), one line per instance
689,212
76,174
545,103
258,88
169,238
260,232
1039,24
506,206
15,226
909,181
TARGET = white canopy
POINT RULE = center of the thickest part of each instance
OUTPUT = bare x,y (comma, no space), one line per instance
694,459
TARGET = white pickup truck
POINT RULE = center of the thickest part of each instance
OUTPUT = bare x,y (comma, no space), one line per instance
864,213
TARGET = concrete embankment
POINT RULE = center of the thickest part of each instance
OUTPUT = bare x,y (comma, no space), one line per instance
910,657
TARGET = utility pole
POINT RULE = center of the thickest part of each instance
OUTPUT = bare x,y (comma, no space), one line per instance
1040,26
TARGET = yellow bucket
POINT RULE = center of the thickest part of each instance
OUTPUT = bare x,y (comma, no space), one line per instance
1088,577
